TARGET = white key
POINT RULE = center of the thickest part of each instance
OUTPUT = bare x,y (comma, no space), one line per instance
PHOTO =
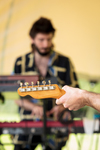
34,89
28,89
45,88
39,88
51,87
22,90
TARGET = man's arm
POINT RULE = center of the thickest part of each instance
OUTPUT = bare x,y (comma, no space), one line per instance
36,110
76,98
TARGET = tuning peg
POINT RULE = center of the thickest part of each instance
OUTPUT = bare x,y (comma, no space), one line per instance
44,82
21,84
32,84
26,83
18,82
49,82
38,83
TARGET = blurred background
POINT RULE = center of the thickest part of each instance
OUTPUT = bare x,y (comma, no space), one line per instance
77,24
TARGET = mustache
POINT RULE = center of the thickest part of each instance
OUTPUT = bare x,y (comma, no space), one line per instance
46,48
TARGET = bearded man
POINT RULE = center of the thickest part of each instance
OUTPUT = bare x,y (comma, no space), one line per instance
45,62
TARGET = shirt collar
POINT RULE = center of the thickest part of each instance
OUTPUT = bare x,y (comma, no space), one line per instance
52,55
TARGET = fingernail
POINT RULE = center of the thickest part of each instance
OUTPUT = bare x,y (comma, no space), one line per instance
56,100
64,105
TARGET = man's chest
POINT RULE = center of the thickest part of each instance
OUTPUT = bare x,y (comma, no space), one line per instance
43,69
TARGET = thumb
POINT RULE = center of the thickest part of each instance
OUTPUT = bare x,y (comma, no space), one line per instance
18,102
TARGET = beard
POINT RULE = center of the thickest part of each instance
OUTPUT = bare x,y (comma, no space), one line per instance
48,50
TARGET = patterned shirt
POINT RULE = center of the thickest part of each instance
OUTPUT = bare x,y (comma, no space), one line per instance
59,66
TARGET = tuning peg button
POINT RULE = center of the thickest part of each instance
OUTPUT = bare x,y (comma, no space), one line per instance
45,88
44,83
49,82
32,84
26,83
21,84
51,87
38,83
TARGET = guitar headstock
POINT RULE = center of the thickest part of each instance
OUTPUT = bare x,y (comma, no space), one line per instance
41,91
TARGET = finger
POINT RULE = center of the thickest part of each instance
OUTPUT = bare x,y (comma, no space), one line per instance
60,100
65,105
18,102
51,111
65,87
70,108
47,113
32,113
41,113
37,115
55,115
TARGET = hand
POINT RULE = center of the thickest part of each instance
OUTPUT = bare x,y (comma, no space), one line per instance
19,102
72,99
37,111
56,110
